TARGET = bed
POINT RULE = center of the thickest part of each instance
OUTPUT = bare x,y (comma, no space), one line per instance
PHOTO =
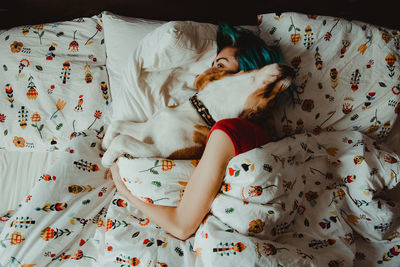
325,194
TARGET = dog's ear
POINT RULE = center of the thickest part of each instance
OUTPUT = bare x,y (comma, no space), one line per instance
261,101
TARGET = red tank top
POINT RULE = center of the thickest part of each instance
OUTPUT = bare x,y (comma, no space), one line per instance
244,134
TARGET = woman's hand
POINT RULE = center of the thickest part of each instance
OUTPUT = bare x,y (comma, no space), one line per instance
113,173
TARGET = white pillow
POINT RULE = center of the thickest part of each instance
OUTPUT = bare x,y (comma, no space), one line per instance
121,36
161,71
364,93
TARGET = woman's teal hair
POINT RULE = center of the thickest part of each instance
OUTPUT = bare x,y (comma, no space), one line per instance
253,52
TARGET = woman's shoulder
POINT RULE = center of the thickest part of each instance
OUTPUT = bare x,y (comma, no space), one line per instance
237,124
244,134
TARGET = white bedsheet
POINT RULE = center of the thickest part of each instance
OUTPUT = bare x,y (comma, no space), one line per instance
19,172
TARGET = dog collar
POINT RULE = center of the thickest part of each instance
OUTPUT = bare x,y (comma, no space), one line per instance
202,110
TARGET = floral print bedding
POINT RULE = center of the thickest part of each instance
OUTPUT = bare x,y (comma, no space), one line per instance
306,200
347,73
315,198
54,84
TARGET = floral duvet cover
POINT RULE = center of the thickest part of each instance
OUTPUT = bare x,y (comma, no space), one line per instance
307,200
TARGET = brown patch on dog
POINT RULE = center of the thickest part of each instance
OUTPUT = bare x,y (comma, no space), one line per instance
263,99
204,79
193,152
173,106
200,136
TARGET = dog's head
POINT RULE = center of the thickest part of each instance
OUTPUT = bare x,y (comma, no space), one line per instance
204,79
244,94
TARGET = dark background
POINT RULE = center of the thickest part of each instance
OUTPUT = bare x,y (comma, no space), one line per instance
25,12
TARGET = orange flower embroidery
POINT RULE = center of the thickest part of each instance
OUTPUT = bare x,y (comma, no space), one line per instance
60,104
167,164
36,117
19,141
16,238
256,226
341,193
16,47
362,48
38,27
47,234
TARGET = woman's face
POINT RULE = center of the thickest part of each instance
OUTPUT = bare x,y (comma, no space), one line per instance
225,61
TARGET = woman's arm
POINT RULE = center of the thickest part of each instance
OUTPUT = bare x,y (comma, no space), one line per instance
204,184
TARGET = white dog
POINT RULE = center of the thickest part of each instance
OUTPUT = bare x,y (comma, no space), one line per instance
180,132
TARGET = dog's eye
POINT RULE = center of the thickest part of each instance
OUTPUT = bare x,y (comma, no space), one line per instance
220,66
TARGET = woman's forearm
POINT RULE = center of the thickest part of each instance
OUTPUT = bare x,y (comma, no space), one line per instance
164,216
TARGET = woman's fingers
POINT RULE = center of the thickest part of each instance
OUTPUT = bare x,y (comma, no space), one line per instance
108,174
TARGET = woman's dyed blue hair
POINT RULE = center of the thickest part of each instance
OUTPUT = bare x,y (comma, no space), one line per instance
253,52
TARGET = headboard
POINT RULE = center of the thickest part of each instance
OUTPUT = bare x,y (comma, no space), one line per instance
26,12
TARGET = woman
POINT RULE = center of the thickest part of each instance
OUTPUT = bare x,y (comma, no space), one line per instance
238,49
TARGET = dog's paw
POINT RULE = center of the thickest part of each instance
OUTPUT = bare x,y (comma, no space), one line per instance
111,133
109,158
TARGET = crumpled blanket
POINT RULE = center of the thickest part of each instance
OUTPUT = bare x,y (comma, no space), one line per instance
306,200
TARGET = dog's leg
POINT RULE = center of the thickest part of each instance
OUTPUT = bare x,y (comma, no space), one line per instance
127,144
130,128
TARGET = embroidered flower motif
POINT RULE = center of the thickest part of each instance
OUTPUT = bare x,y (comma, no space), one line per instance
60,106
100,223
16,238
390,159
19,141
36,117
74,45
341,193
98,29
167,164
347,108
390,59
2,117
373,128
38,27
256,226
328,36
308,105
97,114
16,47
269,249
47,234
